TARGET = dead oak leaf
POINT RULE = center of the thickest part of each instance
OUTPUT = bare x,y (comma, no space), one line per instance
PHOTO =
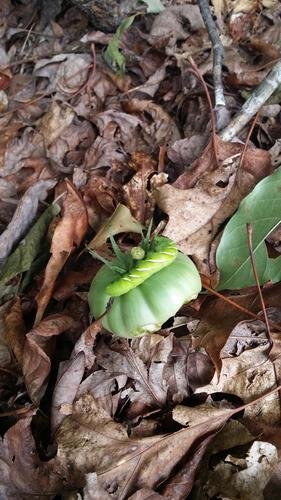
248,372
69,233
89,440
137,197
23,475
14,333
196,213
38,349
55,122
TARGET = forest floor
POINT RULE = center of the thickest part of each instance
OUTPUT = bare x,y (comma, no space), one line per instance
152,115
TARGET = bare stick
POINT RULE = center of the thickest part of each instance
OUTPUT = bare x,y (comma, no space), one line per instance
218,54
238,306
250,244
213,121
254,103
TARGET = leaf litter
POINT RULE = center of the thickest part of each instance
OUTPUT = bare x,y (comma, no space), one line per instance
107,126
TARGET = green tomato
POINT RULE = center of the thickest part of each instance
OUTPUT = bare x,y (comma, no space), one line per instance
145,308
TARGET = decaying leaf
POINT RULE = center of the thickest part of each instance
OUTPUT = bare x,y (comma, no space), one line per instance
21,259
22,473
24,215
196,213
14,333
68,234
38,350
244,477
5,351
121,221
248,372
55,122
137,196
89,440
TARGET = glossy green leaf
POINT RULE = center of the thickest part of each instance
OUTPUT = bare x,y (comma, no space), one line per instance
262,209
113,57
154,6
28,249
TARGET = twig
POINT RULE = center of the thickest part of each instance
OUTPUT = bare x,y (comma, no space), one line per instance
222,113
238,306
250,244
242,157
197,73
259,96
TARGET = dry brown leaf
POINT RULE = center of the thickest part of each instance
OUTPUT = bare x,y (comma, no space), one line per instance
69,233
121,221
37,350
66,72
5,350
24,215
54,123
243,476
160,129
20,149
137,197
69,147
248,372
195,214
89,440
172,24
68,380
22,474
15,330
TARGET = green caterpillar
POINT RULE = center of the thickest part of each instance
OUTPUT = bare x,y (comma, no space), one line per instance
162,253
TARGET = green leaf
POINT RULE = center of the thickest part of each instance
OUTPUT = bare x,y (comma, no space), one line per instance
25,253
262,209
154,6
113,57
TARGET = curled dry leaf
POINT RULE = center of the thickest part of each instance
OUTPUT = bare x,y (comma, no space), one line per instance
243,477
196,213
24,215
14,333
65,72
21,149
55,122
69,233
218,319
69,147
22,474
171,24
89,440
136,193
248,372
121,221
161,129
37,350
68,380
5,350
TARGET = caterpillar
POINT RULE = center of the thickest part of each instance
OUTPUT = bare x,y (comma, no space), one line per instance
162,253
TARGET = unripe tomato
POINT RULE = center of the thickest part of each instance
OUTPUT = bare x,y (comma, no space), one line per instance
146,307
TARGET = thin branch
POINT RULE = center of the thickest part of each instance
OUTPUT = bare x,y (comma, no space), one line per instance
257,99
222,114
238,306
250,244
213,121
242,157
